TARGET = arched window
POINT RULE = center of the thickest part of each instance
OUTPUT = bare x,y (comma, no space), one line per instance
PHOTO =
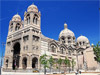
73,38
24,63
34,62
17,27
83,43
80,43
62,50
69,39
63,39
11,28
34,20
53,48
29,19
69,52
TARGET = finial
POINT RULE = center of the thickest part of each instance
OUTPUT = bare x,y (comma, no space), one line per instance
65,25
32,3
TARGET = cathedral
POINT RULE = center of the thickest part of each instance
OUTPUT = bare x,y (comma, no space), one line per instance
25,44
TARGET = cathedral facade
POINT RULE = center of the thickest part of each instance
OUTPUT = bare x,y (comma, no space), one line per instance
25,44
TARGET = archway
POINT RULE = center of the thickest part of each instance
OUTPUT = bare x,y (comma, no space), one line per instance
34,62
24,63
7,63
16,53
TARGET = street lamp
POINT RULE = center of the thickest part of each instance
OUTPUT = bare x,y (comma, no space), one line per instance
3,44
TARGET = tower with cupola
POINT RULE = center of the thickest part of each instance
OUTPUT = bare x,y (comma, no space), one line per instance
15,23
32,17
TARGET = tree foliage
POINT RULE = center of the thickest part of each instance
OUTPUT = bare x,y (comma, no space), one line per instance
96,49
73,63
51,62
44,62
59,62
66,62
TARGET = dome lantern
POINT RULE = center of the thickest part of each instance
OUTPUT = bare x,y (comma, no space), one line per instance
65,25
32,8
16,17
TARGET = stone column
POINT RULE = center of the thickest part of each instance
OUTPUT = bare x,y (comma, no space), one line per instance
14,25
10,63
30,41
20,63
4,65
31,18
21,43
29,63
38,63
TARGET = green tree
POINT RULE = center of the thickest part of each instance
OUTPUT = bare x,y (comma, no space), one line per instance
44,62
96,49
73,64
51,62
66,62
69,65
59,62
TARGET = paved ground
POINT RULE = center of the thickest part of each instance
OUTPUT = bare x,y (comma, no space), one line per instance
14,73
84,74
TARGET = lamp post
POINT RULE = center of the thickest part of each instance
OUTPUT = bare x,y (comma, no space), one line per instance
3,44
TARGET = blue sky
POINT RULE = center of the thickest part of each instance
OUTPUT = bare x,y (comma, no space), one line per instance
82,17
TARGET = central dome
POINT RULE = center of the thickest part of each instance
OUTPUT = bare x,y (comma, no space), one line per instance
32,8
67,36
66,32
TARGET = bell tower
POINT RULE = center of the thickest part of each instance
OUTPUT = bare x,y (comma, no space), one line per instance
32,17
15,24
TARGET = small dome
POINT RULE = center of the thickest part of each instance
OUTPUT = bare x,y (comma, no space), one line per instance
82,39
16,18
66,32
32,8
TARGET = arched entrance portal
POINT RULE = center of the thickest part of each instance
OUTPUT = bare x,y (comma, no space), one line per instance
24,63
16,53
34,62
